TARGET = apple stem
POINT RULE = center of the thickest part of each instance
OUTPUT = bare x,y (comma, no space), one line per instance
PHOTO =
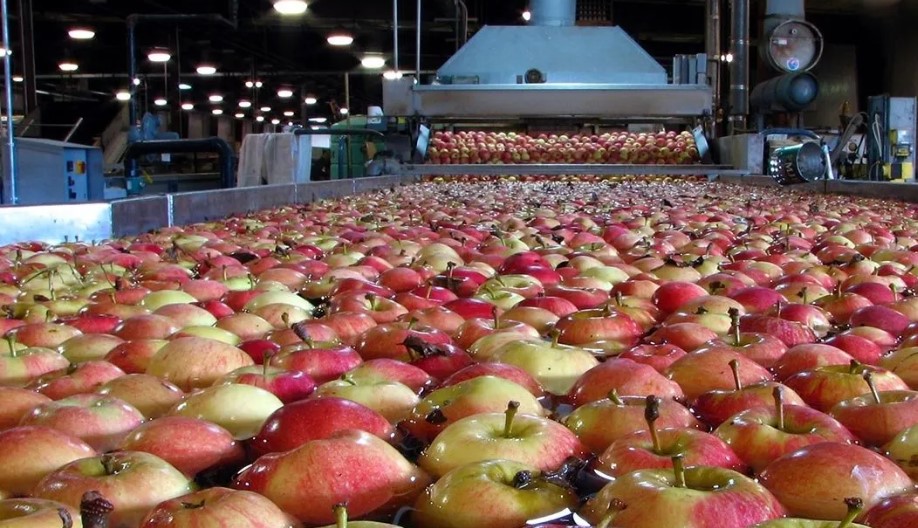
679,470
804,295
854,367
512,408
340,515
778,309
651,415
285,318
265,363
616,399
555,335
868,377
66,518
496,316
895,292
371,297
411,322
734,366
855,507
779,406
616,506
223,270
619,298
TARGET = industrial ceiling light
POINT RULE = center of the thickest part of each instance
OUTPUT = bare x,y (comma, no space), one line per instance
310,100
206,69
527,15
184,86
275,122
265,108
245,104
249,84
343,111
217,111
318,119
123,95
4,52
240,115
159,55
81,33
160,102
68,66
340,38
373,62
215,98
18,78
290,7
289,113
284,93
392,75
260,119
187,106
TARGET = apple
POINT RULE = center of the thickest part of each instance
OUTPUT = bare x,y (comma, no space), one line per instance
808,357
626,377
240,409
501,370
196,362
877,417
38,513
896,512
855,507
77,379
22,366
133,482
299,422
717,406
693,497
505,493
814,481
218,508
701,372
533,440
352,467
88,347
29,453
133,357
605,330
16,404
904,363
391,399
150,395
287,385
657,356
191,445
824,387
903,450
100,421
322,362
688,336
384,369
556,367
146,326
44,335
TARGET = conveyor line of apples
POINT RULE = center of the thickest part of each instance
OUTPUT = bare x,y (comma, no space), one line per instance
473,355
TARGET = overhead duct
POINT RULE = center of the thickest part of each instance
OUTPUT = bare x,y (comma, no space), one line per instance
555,13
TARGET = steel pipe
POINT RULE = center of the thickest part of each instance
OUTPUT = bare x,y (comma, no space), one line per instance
13,169
739,68
395,35
712,46
417,65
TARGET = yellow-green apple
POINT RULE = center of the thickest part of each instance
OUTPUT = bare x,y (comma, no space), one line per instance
814,481
77,379
133,482
341,518
287,385
100,421
654,448
855,508
208,332
539,318
903,362
657,356
22,366
556,367
133,357
896,512
38,513
29,453
146,326
246,326
196,362
701,372
157,299
299,422
88,347
694,497
556,305
505,494
281,316
218,508
903,450
501,370
533,440
877,417
352,467
17,403
205,290
384,369
717,406
809,357
240,409
824,387
191,445
606,330
187,315
476,328
479,395
44,335
600,423
626,378
391,399
322,362
148,394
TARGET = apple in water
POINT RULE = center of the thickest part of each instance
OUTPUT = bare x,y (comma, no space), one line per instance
626,378
903,450
896,512
287,385
100,421
240,409
814,481
29,453
694,497
88,347
539,442
855,508
391,399
196,362
148,394
322,362
384,369
77,379
824,387
299,422
352,467
22,366
556,367
762,434
133,482
717,406
133,357
501,370
877,417
701,372
38,513
218,508
17,403
505,494
191,445
479,395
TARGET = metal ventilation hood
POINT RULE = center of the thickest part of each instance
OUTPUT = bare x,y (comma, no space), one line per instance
549,69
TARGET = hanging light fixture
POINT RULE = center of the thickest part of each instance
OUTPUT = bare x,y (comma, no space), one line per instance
392,75
206,69
240,115
265,109
245,104
275,122
340,38
343,111
81,33
217,111
215,98
187,106
159,55
290,7
373,62
318,119
123,95
289,113
285,92
184,86
260,119
18,78
310,100
68,66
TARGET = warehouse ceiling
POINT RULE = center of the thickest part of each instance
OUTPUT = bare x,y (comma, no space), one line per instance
253,41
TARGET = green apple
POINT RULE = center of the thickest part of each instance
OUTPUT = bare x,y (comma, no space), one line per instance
391,399
855,507
278,297
556,367
240,409
155,300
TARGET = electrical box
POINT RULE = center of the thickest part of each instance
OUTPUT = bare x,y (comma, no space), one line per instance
55,172
891,129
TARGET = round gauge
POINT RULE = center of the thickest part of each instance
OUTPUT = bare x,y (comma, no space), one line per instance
794,46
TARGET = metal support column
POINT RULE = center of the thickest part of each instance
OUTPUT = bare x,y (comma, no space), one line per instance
739,68
27,32
11,169
395,35
417,66
713,48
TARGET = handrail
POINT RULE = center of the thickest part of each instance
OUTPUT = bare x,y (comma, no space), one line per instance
73,129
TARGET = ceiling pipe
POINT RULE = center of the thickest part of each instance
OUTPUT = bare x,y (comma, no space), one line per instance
556,13
739,68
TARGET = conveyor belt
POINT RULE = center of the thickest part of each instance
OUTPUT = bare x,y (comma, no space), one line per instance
549,169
